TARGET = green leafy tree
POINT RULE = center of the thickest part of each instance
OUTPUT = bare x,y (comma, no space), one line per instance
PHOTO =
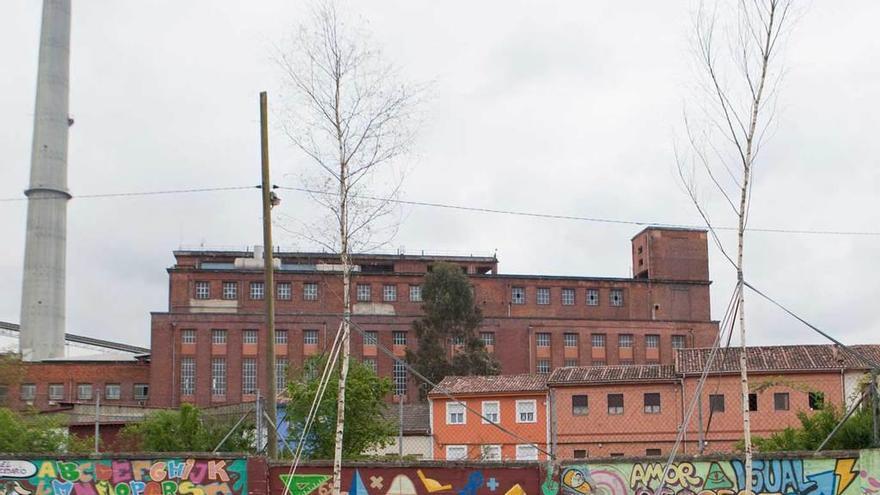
11,372
31,433
366,426
187,430
815,428
451,315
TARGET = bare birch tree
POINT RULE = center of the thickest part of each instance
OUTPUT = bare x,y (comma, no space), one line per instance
352,120
727,123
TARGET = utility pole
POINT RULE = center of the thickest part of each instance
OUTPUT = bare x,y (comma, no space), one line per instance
269,200
400,424
97,420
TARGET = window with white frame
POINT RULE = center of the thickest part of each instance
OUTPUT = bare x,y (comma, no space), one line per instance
141,391
528,452
248,376
490,452
84,391
218,336
652,341
187,376
570,363
310,291
678,342
28,391
389,293
458,340
112,391
625,340
203,290
456,452
56,391
230,290
371,337
570,339
568,297
542,366
491,411
399,374
257,290
363,293
616,297
310,337
281,367
218,376
281,337
284,291
415,293
249,336
398,338
188,336
592,297
371,363
543,295
455,413
526,411
518,295
488,338
542,339
597,340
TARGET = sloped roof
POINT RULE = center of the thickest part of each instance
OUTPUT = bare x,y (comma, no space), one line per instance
491,384
778,358
416,418
610,374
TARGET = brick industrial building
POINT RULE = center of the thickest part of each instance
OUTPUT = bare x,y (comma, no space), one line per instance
208,346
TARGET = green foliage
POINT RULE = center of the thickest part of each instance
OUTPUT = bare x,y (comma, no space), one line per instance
31,433
815,428
11,372
366,426
450,314
187,430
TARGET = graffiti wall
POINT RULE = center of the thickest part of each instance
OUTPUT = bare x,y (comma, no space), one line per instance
407,480
123,476
844,476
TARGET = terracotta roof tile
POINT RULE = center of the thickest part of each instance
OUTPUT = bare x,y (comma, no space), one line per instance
491,384
777,358
607,374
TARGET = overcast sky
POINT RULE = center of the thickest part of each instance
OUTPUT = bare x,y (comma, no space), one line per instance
559,107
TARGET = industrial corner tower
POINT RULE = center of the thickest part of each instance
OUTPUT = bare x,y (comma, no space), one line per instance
43,285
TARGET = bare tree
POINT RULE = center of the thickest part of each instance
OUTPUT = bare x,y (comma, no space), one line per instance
352,120
737,57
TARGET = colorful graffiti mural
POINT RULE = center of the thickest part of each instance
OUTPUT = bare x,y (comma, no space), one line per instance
770,476
123,477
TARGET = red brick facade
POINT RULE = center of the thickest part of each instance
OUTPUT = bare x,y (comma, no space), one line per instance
653,313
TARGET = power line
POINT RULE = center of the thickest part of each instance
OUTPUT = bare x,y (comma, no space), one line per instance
145,193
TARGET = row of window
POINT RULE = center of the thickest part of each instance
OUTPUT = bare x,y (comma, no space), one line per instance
524,452
624,340
580,405
781,401
257,290
364,293
568,296
526,412
84,391
251,336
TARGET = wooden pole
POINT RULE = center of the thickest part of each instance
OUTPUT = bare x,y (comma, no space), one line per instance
269,285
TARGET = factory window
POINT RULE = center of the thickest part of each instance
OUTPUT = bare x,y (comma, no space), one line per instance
141,391
780,401
218,376
526,411
570,339
280,374
28,391
518,295
597,340
625,340
543,295
203,290
310,337
363,293
616,297
458,340
248,376
652,341
678,341
399,375
568,297
281,337
56,391
187,376
542,339
84,391
491,411
257,290
249,336
371,337
284,291
652,452
599,362
592,297
488,338
579,405
415,293
817,401
652,403
371,363
389,293
716,402
188,336
218,336
455,413
543,366
398,338
230,290
615,404
580,454
310,291
112,391
570,363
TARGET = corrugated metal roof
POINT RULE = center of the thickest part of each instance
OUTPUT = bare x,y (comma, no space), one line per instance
610,374
778,358
82,339
491,384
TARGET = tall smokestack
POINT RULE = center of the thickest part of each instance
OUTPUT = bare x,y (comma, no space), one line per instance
42,296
